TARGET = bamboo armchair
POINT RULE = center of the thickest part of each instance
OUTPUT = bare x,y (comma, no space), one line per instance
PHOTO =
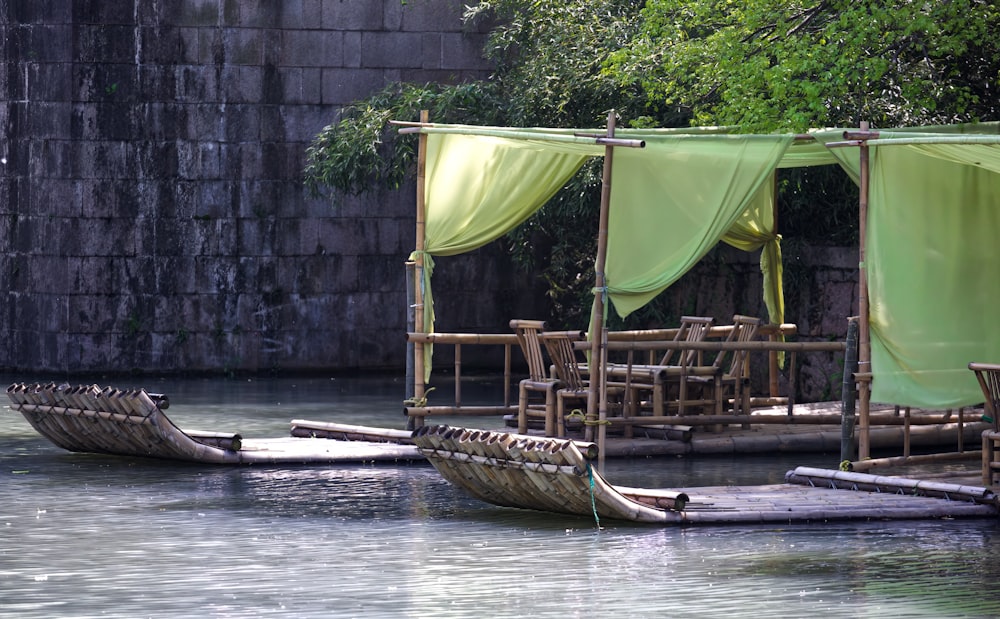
567,369
528,336
734,382
673,370
988,375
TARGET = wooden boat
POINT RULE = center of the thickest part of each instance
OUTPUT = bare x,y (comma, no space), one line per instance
558,475
132,423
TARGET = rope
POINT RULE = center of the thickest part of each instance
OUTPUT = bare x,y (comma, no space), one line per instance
593,500
579,415
418,402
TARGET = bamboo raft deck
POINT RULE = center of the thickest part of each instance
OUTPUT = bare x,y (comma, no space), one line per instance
132,423
556,475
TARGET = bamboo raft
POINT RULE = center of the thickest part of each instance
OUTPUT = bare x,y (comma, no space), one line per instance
557,475
132,423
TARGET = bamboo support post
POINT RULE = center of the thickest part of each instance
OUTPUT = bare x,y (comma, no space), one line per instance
990,466
458,375
849,393
906,432
597,408
419,387
864,342
411,325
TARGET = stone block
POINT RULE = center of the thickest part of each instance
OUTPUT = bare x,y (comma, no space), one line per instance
311,48
160,45
345,86
43,43
463,52
242,123
204,122
382,273
352,50
432,16
159,121
301,14
49,82
51,158
93,312
391,50
192,13
196,84
105,43
101,12
243,46
352,15
300,124
40,12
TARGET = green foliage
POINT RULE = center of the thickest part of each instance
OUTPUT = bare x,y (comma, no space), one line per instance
758,65
361,150
766,65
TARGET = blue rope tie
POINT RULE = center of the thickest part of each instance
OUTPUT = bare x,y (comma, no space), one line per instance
593,501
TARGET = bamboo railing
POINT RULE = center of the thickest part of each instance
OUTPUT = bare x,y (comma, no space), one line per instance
647,343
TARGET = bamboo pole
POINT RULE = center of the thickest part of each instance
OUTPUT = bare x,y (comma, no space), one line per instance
411,325
598,410
848,392
709,345
418,271
864,343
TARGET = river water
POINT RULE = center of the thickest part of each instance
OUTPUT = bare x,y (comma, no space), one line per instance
98,536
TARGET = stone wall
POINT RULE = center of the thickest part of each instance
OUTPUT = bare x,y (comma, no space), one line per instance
153,215
153,219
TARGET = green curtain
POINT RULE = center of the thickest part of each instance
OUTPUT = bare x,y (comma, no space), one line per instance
479,187
755,230
673,201
932,245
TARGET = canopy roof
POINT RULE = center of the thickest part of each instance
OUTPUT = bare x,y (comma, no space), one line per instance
934,215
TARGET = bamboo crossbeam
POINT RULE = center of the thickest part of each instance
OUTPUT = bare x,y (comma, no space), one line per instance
652,337
954,456
716,332
463,338
710,345
473,411
862,481
878,419
323,429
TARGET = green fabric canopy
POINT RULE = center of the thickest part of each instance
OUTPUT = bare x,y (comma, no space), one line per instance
934,215
672,201
934,209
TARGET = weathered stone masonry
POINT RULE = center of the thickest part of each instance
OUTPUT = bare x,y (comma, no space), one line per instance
153,215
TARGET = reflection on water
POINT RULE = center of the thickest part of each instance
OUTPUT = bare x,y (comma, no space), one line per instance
95,536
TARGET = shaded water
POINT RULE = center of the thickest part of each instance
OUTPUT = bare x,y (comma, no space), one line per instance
95,536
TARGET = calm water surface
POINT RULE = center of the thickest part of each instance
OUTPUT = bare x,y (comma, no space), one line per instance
95,536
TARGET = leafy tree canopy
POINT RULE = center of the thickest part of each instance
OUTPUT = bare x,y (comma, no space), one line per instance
758,65
766,65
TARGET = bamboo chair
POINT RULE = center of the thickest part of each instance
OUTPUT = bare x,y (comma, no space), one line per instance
988,375
566,368
734,382
671,371
528,336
